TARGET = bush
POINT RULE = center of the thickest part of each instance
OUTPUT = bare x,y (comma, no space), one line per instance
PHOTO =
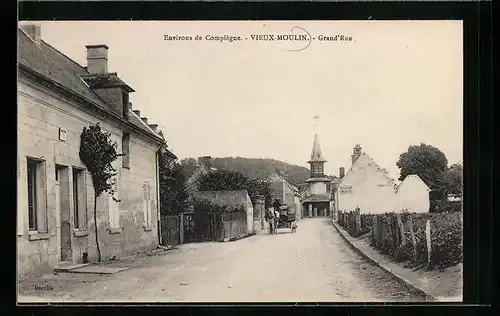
446,240
205,206
445,206
366,223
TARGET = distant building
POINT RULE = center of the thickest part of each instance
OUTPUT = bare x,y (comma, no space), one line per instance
203,167
287,193
316,198
57,98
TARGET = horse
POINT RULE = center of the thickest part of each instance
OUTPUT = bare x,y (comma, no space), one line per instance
271,219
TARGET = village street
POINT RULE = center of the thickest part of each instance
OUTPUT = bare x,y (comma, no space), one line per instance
315,264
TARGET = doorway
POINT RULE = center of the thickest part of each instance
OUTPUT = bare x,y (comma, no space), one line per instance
63,209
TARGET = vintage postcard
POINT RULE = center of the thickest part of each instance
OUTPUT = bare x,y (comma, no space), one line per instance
239,161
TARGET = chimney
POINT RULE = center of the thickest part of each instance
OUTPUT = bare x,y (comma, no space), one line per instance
154,127
356,152
144,119
130,106
205,163
34,32
97,59
137,112
341,172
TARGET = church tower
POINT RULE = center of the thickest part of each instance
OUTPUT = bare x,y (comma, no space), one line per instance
317,162
317,196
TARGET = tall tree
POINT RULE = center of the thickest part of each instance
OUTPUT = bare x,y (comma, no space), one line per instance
189,166
98,152
452,180
426,161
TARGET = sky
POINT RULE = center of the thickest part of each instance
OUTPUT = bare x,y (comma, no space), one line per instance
395,84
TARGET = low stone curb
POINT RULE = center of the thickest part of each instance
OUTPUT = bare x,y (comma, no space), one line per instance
429,297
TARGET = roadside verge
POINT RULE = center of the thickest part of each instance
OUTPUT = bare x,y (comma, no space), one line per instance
434,285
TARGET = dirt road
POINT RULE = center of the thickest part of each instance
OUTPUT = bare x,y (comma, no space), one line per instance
315,265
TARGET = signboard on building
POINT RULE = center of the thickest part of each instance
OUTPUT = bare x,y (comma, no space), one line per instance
63,133
345,189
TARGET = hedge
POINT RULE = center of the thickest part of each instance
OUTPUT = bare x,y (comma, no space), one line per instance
391,235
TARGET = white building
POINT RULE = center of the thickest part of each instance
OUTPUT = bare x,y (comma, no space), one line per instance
413,194
368,186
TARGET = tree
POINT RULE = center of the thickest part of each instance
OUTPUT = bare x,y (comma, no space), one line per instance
234,180
173,193
426,161
452,180
98,152
189,166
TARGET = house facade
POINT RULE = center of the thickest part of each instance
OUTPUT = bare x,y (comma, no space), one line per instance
368,187
57,98
316,197
413,195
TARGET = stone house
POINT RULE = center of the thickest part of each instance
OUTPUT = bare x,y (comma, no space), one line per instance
368,186
57,98
365,185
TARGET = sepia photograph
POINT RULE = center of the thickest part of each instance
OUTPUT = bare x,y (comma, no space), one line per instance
240,161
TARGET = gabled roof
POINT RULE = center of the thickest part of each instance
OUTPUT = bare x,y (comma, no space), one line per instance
410,177
52,65
365,155
316,154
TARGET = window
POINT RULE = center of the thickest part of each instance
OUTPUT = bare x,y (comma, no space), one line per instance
32,195
37,202
114,206
126,150
79,199
147,206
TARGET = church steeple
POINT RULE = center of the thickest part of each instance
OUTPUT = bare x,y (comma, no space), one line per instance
316,154
317,161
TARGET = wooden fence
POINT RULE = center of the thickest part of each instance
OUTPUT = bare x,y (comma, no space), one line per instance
170,230
351,221
234,224
433,239
203,226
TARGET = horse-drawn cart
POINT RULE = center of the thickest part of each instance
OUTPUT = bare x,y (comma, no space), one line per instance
286,219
